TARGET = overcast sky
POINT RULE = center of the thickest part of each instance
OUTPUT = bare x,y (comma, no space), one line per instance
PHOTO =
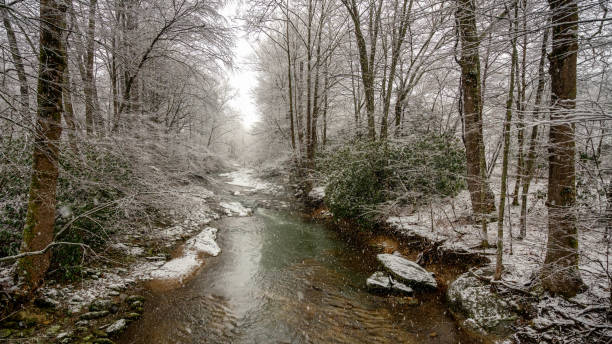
242,77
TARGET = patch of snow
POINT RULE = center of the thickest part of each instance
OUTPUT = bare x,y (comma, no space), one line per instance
317,193
245,177
235,208
182,267
129,250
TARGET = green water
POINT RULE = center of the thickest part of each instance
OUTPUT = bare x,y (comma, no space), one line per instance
280,279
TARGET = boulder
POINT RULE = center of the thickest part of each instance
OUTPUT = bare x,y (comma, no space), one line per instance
117,327
100,305
477,309
382,282
94,315
46,302
407,271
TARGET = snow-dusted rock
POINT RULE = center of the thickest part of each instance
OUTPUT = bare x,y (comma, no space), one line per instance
235,208
117,327
381,281
407,271
317,193
185,265
477,308
205,242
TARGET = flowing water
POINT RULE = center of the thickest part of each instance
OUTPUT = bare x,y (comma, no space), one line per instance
281,279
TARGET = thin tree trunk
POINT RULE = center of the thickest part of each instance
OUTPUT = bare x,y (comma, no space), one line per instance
531,152
18,63
290,90
395,54
40,216
520,106
68,109
504,177
560,274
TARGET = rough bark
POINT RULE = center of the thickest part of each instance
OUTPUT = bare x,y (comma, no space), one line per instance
40,217
560,274
480,193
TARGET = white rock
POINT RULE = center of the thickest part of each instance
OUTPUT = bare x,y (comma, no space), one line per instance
407,271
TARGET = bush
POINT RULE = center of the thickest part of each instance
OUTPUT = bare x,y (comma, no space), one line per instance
96,176
362,176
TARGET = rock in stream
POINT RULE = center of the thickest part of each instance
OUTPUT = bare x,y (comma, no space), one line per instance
382,282
407,271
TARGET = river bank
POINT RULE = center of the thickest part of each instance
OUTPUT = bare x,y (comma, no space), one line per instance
514,309
107,297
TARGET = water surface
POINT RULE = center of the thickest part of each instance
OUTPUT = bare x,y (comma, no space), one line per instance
281,279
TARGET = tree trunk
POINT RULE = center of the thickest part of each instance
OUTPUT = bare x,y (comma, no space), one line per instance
290,89
18,63
68,109
480,193
560,274
531,152
504,177
395,55
366,61
520,107
40,216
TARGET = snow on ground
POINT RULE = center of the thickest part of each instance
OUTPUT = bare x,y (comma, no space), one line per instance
317,193
246,177
235,208
191,212
522,258
184,266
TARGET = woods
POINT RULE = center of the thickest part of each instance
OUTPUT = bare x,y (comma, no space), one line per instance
435,119
515,83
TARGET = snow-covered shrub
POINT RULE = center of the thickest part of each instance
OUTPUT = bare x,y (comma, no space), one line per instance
364,175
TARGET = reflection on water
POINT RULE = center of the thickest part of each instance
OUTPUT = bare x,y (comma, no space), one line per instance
282,280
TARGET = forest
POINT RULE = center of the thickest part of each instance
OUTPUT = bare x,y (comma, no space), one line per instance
149,147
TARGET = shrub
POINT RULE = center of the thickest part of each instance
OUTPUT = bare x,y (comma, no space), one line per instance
362,176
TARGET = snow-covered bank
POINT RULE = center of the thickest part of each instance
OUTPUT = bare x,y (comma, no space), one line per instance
191,259
449,225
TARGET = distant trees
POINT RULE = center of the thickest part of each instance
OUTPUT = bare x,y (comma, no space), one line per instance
479,70
106,67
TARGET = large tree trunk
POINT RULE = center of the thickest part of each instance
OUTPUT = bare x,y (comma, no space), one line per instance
18,63
480,193
40,217
560,274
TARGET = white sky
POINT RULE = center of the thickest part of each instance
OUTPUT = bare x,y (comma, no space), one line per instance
242,77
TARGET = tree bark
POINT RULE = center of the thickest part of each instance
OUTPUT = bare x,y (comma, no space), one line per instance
480,193
560,274
40,216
